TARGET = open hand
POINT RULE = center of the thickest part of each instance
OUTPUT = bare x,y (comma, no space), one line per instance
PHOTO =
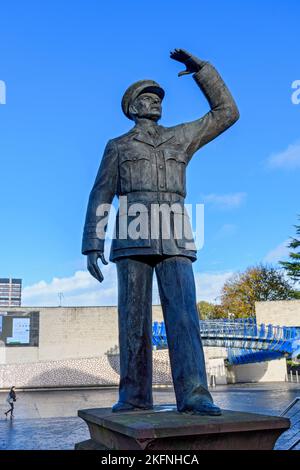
192,63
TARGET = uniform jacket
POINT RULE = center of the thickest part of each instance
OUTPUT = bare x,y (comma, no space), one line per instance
149,167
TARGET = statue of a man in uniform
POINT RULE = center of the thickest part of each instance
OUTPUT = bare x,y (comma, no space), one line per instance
148,166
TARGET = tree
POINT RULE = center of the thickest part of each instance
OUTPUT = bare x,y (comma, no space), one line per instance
205,310
209,311
292,267
257,283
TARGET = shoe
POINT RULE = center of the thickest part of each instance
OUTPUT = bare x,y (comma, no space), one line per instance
203,409
121,406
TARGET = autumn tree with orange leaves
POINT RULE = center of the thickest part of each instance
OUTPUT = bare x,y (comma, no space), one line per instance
257,283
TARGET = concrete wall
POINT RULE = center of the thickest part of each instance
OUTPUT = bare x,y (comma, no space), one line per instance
91,371
81,333
272,371
77,332
279,312
74,332
70,333
19,355
73,343
100,370
215,365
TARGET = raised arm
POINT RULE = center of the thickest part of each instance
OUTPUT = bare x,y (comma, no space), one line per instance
223,110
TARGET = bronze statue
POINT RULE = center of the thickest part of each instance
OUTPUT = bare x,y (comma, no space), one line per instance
148,166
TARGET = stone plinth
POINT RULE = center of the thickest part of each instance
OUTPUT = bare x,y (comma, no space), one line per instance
166,429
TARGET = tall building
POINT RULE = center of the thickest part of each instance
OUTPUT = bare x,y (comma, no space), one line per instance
10,292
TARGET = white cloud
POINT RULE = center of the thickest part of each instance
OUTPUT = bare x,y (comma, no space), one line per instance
277,254
288,159
225,201
209,285
82,289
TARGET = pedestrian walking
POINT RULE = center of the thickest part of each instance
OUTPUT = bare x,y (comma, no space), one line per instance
11,398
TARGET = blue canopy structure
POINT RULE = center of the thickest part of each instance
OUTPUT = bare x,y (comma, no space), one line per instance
245,341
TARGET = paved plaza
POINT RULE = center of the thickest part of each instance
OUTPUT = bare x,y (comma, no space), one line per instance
47,419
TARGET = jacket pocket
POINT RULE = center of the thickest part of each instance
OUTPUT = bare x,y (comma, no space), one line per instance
175,171
135,172
182,229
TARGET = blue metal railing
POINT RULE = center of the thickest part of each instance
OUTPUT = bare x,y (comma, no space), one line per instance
245,340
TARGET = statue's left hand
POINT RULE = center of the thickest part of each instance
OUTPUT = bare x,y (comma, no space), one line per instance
192,63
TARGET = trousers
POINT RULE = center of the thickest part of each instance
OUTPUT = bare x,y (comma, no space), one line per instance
176,286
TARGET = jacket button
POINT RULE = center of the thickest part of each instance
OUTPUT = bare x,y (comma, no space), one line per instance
161,167
161,185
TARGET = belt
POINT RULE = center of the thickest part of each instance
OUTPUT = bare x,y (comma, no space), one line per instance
153,196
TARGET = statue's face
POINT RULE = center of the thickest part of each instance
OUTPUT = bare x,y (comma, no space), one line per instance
146,105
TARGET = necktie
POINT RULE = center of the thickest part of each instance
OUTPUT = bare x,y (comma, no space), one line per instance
153,133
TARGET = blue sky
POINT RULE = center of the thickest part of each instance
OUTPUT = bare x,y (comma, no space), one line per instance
66,66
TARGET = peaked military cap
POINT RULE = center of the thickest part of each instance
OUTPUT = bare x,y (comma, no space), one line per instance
136,89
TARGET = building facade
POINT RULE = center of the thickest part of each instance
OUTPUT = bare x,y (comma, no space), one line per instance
10,292
75,346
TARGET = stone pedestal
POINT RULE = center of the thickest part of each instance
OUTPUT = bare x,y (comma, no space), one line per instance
165,429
